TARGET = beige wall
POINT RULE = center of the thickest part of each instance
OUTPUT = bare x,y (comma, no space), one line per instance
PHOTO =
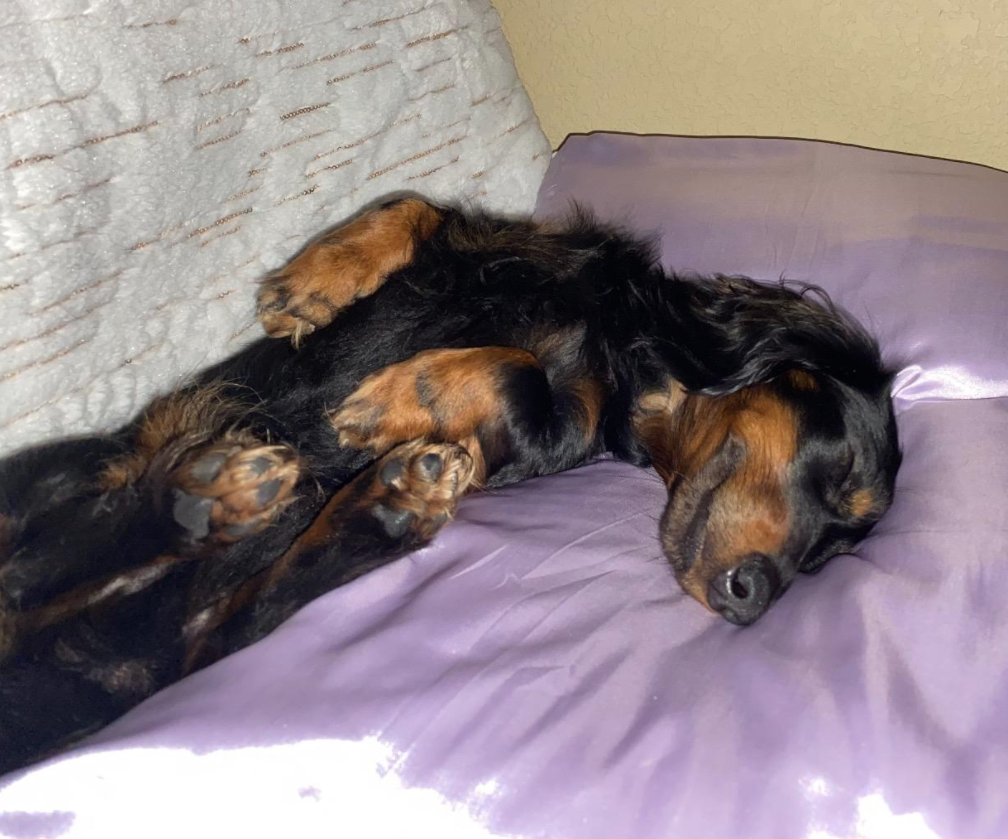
927,76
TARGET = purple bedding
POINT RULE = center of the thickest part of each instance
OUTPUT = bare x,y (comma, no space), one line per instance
536,673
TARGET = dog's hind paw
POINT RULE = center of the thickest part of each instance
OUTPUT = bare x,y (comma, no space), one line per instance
417,486
228,490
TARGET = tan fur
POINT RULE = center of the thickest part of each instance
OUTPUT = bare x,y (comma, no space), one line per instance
345,265
802,380
246,467
591,397
195,413
433,504
683,432
437,394
654,418
862,504
667,400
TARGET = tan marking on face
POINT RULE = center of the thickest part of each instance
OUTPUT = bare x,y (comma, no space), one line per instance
658,434
658,423
862,503
749,512
667,400
590,396
696,587
802,380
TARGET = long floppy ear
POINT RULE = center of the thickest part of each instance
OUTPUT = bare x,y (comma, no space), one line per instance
745,332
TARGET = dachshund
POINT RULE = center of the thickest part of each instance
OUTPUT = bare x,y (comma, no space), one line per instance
432,351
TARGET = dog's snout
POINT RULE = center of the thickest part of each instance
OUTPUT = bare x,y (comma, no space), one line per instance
745,592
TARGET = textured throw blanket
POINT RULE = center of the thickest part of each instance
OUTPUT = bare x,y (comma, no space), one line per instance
157,157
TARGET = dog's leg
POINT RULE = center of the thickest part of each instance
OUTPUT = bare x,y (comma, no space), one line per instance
73,679
440,423
44,707
516,417
92,521
71,506
395,506
61,528
190,502
344,265
78,657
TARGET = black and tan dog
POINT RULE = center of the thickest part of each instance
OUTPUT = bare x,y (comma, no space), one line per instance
434,352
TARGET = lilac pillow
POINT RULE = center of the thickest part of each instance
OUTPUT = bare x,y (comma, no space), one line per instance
917,248
536,672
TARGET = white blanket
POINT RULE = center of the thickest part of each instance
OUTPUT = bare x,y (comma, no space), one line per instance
158,157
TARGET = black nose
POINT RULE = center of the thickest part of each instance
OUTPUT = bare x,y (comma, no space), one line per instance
744,593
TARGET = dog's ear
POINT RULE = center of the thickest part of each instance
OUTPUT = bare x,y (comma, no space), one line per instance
645,430
745,333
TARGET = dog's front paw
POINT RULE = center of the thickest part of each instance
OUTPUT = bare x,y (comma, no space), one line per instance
294,304
308,294
345,265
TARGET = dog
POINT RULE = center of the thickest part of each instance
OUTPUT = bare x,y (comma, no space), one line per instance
415,354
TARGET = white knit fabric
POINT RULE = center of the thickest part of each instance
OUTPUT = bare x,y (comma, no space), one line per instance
158,157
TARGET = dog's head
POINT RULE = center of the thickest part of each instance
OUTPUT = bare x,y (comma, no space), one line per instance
776,439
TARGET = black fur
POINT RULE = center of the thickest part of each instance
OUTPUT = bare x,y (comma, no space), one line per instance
612,315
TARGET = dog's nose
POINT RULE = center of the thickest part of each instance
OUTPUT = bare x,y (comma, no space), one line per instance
745,592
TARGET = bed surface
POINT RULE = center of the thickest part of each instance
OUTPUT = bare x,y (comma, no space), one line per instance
536,673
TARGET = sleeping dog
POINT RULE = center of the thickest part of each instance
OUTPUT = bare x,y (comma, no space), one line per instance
431,352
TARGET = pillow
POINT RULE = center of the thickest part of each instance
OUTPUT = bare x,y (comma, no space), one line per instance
158,158
914,247
537,673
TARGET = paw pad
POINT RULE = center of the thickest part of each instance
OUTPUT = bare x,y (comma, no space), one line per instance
228,490
418,487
